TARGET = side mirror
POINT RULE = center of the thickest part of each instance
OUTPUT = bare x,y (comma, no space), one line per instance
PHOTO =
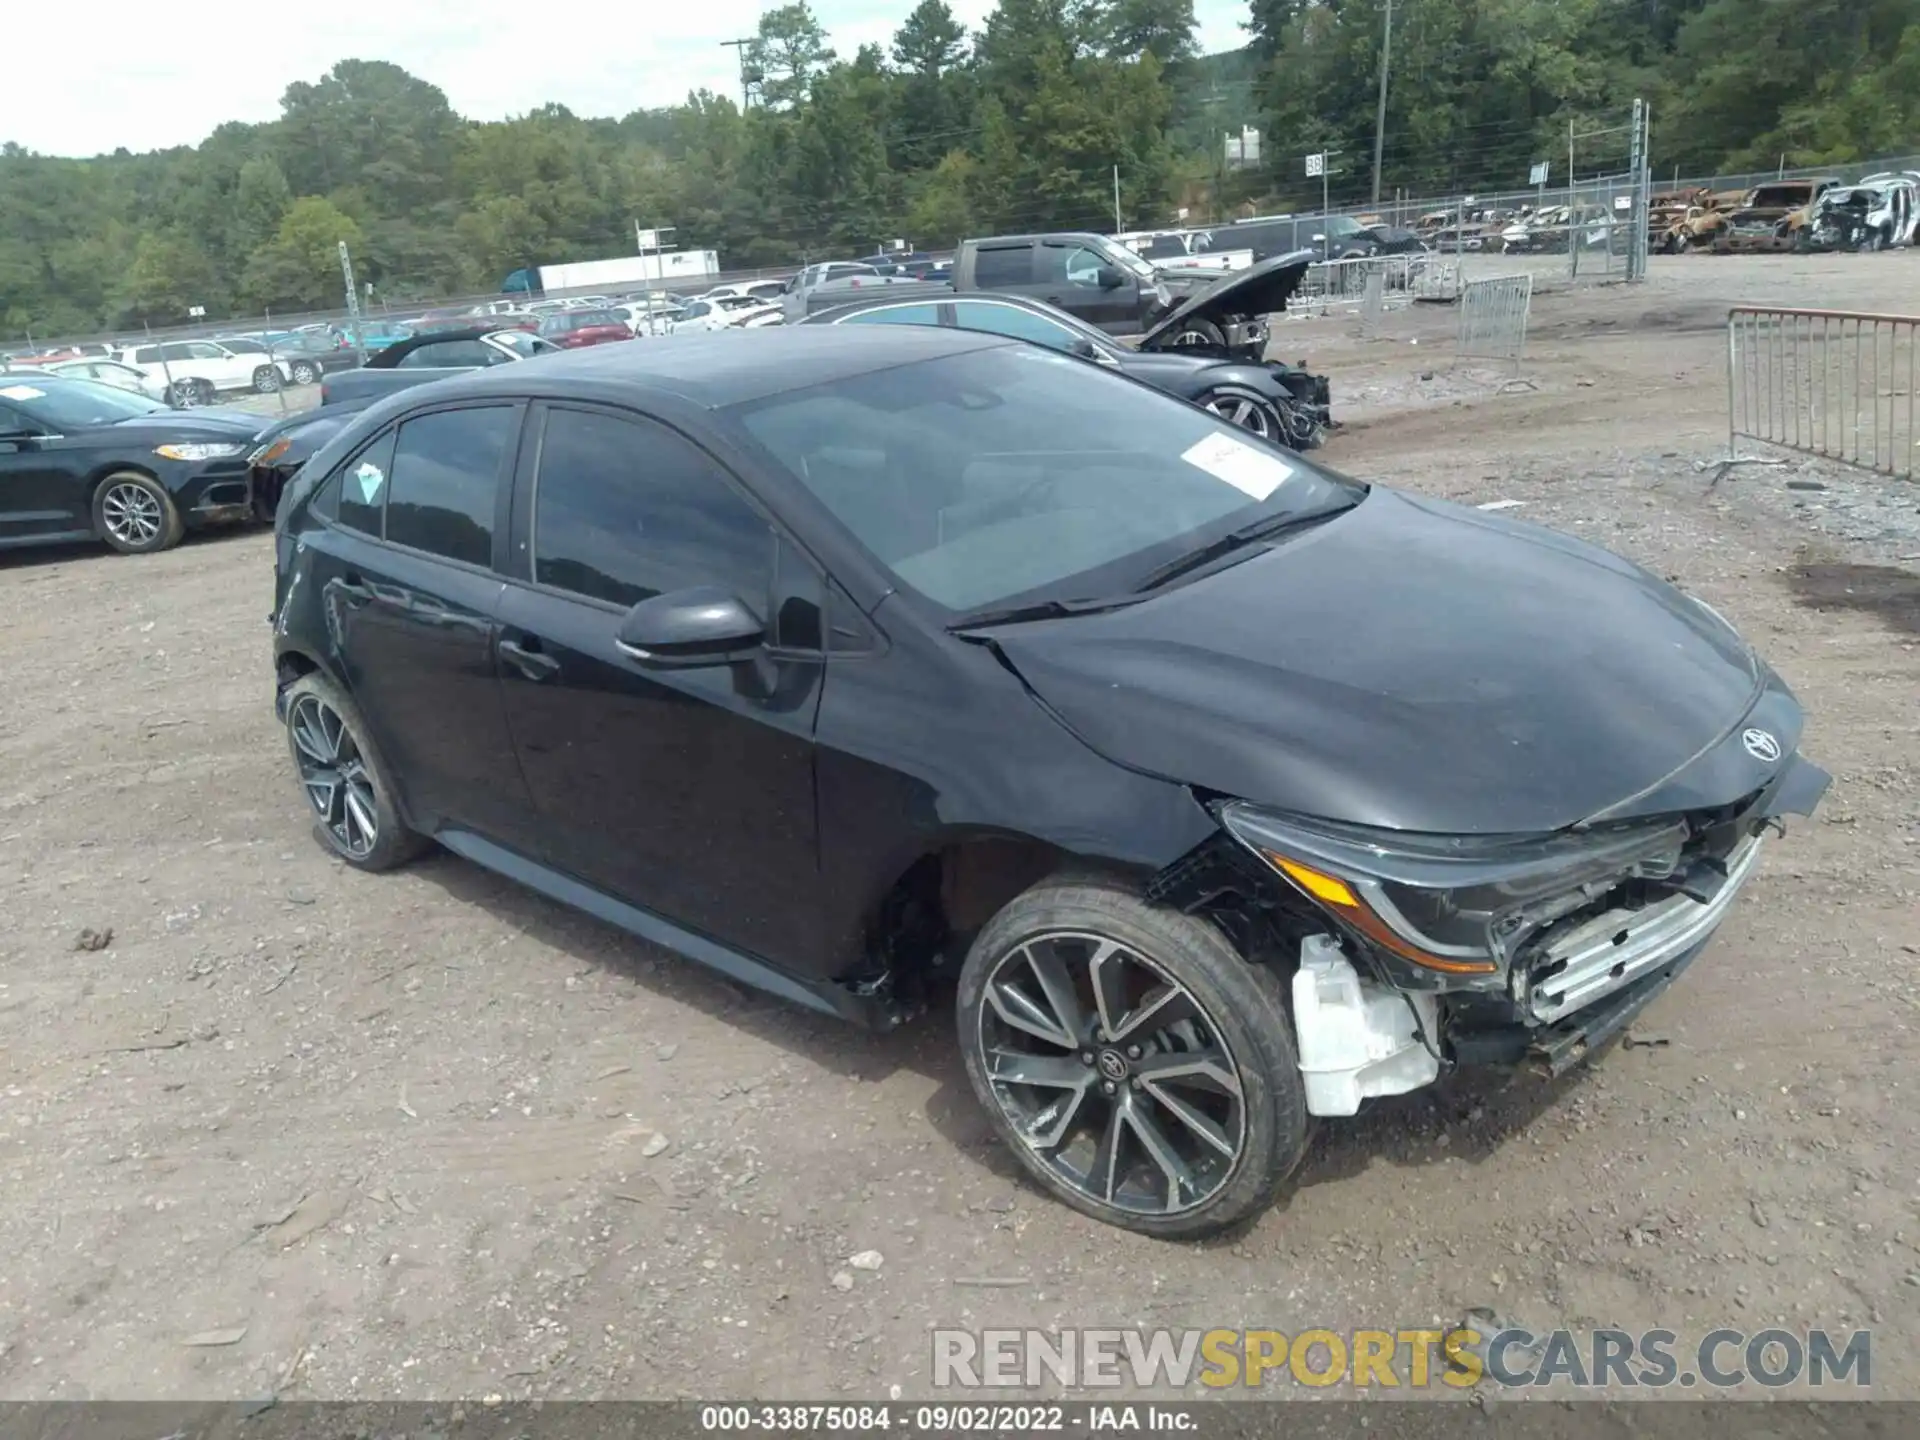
704,625
1110,277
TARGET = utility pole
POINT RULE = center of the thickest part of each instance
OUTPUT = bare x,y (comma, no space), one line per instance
1117,226
1380,115
740,48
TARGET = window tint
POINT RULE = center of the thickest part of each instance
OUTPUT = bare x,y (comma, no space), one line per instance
362,483
1003,265
147,355
624,509
201,350
897,315
446,476
1012,321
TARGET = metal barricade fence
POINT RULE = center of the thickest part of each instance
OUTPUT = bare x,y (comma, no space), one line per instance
1493,318
1343,284
1834,383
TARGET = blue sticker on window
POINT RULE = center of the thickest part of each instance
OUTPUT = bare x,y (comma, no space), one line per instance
371,478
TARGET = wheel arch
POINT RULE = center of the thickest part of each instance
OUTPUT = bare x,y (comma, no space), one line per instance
955,882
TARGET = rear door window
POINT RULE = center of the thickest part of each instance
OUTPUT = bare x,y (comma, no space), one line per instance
1012,321
1003,265
445,481
359,490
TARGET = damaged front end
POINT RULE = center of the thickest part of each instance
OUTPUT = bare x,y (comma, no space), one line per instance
1417,953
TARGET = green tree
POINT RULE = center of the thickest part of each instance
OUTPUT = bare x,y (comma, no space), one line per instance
300,268
789,50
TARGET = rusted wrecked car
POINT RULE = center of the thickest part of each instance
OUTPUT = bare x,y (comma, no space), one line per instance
1667,209
1773,217
1702,220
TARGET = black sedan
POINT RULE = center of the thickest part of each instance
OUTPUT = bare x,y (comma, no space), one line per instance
84,461
1235,792
1208,351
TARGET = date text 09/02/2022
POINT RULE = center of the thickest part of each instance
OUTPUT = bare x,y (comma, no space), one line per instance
948,1419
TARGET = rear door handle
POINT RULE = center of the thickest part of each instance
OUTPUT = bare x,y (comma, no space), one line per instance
529,662
352,591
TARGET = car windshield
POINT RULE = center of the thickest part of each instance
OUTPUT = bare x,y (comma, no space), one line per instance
1341,227
1018,475
61,404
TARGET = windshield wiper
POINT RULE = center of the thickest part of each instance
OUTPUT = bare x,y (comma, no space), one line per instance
1265,528
1040,610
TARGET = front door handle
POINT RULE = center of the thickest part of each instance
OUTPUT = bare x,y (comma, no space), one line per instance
530,663
352,591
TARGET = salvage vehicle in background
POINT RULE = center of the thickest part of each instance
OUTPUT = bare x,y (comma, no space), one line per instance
1702,222
196,372
1881,212
112,372
82,461
1772,217
1235,791
577,329
1281,403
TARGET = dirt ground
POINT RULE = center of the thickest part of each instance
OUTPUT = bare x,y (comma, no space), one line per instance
298,1131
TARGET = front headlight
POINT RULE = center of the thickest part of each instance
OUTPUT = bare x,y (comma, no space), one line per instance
270,452
196,450
1454,904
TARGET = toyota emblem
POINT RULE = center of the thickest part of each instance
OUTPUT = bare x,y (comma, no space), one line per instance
1761,745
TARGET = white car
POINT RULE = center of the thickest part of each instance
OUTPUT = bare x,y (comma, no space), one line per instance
112,372
193,372
718,313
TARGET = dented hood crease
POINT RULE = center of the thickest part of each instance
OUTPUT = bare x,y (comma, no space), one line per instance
1419,666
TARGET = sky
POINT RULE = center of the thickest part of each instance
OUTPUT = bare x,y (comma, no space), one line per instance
135,74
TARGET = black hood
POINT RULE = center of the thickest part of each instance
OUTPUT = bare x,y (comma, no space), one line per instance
1261,289
1420,666
213,424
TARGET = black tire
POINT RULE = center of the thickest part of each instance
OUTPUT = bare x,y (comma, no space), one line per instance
266,379
304,372
336,826
135,515
1242,1021
1199,332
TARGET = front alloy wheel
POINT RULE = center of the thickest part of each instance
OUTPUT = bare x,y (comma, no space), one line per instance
1112,1073
1249,412
1139,1068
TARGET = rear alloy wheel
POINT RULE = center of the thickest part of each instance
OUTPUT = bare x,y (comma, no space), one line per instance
344,782
1139,1068
304,373
266,380
1246,410
135,515
187,394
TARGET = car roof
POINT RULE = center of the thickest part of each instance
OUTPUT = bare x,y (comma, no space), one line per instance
729,367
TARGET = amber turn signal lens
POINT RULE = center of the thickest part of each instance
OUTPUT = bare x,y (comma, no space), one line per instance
1333,891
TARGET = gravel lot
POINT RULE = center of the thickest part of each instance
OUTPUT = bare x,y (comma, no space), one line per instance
303,1132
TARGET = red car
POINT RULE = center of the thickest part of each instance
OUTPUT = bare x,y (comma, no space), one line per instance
578,328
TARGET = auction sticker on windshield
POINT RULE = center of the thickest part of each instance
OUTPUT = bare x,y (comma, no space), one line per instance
22,392
370,478
1239,464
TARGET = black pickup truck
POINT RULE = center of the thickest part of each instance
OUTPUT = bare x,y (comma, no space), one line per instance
1089,276
280,450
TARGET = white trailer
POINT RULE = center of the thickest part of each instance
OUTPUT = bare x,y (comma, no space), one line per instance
629,271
